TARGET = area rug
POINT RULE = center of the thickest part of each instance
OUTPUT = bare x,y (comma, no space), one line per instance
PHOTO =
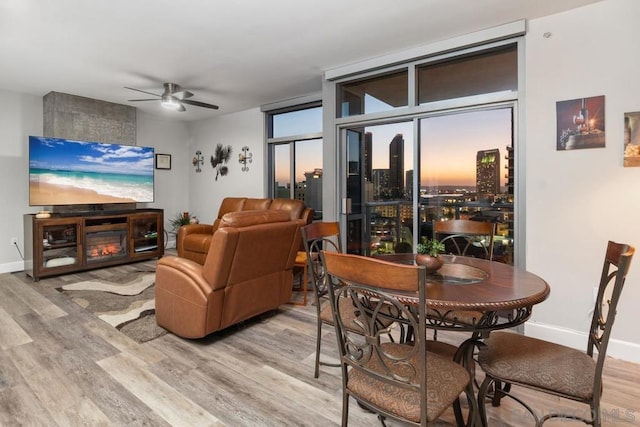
126,302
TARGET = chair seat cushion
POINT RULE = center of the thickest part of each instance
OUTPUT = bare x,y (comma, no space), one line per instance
541,364
348,313
445,381
442,348
301,258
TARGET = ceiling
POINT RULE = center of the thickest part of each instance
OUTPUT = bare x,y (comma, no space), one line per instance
236,54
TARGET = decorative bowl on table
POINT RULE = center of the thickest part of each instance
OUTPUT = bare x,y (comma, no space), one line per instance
428,254
430,263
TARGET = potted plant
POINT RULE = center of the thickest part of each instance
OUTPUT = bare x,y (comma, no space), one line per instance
428,255
181,218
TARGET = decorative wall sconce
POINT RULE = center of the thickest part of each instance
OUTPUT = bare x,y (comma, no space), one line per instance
198,160
244,158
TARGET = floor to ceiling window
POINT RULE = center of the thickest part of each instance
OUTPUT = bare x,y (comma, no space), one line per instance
379,187
466,172
428,141
294,149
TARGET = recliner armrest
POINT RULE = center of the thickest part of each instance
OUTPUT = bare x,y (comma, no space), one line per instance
190,268
186,230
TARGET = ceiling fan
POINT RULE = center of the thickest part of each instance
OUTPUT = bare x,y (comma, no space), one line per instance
174,97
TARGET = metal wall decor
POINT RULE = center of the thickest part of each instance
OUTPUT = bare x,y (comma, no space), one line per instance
198,160
220,158
244,158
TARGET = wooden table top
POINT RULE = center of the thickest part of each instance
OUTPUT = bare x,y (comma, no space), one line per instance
465,283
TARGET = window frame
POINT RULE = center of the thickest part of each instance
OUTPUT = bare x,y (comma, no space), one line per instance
515,98
291,140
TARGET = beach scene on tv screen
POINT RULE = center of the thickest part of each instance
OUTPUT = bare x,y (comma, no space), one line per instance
65,172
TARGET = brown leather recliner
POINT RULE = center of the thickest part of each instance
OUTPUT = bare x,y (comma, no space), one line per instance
248,271
193,240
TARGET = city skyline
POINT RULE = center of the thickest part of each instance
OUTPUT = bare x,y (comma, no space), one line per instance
449,145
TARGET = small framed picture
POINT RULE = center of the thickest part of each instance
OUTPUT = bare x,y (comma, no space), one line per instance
163,161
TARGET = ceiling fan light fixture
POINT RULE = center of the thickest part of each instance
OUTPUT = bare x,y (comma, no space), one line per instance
173,98
170,103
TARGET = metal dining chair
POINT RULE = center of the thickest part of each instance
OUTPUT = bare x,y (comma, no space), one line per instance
466,237
395,379
510,358
319,236
316,237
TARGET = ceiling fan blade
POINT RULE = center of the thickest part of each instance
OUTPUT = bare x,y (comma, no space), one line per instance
147,99
183,94
138,90
199,104
181,108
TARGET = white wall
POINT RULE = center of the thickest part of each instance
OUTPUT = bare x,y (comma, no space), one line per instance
20,116
237,130
171,186
578,200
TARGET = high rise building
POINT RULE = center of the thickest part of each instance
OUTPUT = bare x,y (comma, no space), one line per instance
396,167
488,172
313,193
380,179
409,183
368,162
509,166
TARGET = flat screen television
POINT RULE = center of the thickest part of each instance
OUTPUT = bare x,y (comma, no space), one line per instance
67,172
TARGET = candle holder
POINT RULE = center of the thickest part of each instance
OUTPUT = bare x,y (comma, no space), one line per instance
244,158
198,160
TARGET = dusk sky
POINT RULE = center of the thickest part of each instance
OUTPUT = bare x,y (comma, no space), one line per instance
449,145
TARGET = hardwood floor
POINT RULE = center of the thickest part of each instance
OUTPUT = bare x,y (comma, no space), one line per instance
60,365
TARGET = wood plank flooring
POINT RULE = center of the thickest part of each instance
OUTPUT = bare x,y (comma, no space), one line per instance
61,366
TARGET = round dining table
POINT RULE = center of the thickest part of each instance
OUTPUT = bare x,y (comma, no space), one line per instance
475,294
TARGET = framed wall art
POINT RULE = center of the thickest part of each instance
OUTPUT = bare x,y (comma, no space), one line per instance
163,161
580,123
632,139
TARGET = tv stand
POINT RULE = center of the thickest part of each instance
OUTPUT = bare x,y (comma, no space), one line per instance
87,240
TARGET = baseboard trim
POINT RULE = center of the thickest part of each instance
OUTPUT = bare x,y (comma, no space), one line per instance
11,267
618,349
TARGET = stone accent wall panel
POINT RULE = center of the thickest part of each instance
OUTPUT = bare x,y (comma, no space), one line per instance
79,118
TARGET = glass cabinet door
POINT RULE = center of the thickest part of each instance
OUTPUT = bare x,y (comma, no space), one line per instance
144,234
59,244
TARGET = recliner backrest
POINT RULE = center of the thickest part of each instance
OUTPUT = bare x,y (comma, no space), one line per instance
293,206
229,204
251,204
250,244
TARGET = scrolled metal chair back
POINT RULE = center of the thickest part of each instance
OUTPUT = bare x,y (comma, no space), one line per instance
614,273
372,308
463,237
319,236
316,237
